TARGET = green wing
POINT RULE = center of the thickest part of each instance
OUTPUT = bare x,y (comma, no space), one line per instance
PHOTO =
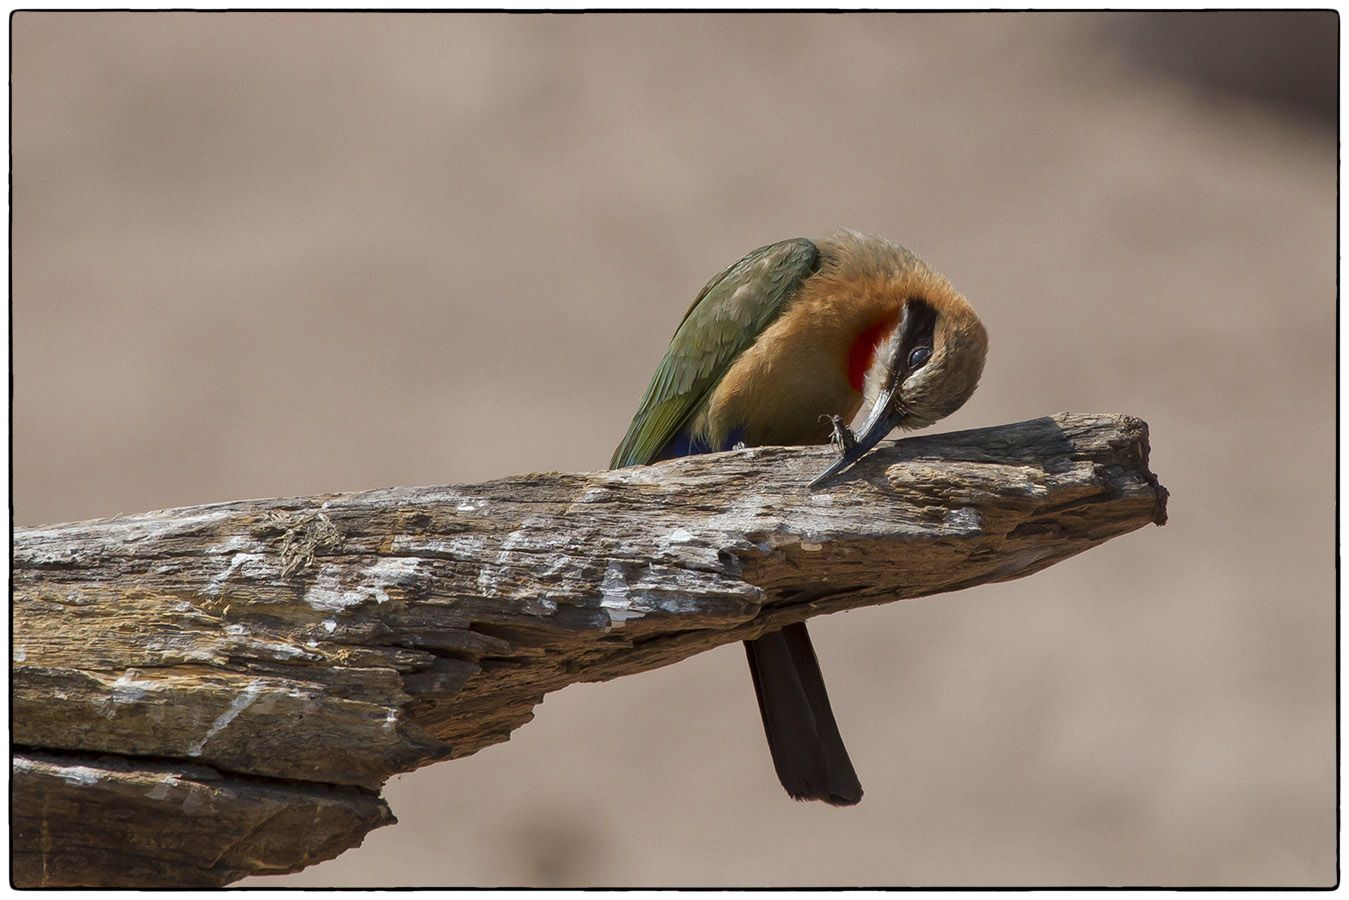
728,316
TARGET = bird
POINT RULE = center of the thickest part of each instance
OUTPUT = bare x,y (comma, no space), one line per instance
784,347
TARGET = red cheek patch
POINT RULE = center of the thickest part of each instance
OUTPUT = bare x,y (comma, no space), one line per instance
863,352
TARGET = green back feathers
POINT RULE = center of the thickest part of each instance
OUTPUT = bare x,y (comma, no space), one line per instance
728,316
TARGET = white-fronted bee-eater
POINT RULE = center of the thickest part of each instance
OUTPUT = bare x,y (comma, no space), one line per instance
784,347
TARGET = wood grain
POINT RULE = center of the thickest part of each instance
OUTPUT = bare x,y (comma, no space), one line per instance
190,685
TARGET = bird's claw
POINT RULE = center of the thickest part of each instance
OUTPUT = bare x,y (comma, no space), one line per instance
841,436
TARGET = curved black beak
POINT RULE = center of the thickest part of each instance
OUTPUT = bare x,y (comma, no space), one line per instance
882,420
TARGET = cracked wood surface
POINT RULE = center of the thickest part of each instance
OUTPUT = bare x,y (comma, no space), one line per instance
131,823
190,685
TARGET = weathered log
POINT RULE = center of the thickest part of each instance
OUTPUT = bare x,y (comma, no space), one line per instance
205,693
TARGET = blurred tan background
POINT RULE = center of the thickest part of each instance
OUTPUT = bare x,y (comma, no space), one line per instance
268,255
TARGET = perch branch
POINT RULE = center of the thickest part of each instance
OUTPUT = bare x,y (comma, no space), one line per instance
206,693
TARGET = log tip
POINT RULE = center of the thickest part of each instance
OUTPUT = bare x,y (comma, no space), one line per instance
1139,436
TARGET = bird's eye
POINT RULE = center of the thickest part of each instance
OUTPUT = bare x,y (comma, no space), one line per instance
918,356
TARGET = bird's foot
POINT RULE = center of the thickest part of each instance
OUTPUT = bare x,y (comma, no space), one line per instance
841,436
739,445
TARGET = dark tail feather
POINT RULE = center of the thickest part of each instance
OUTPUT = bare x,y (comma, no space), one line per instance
808,751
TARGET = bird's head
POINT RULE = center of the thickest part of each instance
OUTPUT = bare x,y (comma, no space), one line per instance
927,366
924,359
